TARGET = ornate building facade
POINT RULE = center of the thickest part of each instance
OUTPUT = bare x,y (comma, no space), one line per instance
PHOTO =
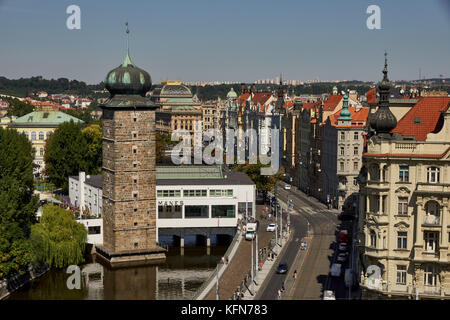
404,201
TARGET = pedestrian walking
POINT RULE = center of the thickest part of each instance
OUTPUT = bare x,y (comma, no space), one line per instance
295,274
282,286
279,294
226,260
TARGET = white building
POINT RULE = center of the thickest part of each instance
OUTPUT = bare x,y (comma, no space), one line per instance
190,200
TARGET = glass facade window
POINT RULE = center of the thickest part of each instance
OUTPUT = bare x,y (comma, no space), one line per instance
41,152
342,166
221,193
342,151
355,136
41,135
355,151
342,135
402,239
226,211
196,212
404,174
94,230
402,205
170,212
194,193
33,135
168,193
401,274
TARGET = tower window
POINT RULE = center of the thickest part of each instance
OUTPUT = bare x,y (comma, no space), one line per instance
135,244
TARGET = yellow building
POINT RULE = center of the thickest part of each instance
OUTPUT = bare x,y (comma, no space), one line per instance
404,202
37,127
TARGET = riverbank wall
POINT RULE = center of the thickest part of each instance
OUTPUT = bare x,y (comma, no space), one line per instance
8,286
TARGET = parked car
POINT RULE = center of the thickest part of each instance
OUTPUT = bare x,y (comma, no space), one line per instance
343,236
328,295
342,257
336,270
343,246
282,268
271,227
287,187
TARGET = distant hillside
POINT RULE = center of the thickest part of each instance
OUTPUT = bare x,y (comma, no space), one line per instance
23,86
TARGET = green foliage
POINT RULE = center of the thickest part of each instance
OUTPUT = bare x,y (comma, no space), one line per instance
64,155
69,150
17,203
15,256
93,157
262,182
24,86
58,239
18,108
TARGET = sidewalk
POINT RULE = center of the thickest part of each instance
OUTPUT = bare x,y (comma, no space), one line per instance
262,275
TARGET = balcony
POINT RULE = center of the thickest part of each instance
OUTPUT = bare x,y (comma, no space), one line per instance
377,184
429,290
380,218
375,252
434,188
432,220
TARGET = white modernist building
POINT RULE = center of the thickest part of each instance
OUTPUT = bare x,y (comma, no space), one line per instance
202,200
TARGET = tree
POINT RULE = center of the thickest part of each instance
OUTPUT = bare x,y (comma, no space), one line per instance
18,108
59,240
161,143
262,182
93,157
65,154
17,203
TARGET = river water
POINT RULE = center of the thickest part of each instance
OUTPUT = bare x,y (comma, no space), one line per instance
177,278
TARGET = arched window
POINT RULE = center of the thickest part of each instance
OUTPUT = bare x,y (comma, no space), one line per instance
433,174
374,172
41,135
373,239
33,135
432,213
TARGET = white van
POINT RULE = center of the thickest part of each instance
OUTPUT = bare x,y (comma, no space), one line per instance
250,231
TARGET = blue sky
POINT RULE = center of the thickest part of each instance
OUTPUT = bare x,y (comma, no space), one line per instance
233,40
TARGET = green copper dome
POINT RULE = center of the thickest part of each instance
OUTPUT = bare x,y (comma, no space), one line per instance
128,79
345,113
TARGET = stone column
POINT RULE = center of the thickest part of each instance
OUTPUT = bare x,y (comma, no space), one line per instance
367,203
419,220
380,199
181,242
444,231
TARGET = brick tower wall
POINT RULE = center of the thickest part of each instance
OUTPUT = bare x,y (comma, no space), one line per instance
129,178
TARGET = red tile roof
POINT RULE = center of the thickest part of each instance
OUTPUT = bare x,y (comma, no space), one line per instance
332,101
428,109
261,97
357,116
310,105
371,96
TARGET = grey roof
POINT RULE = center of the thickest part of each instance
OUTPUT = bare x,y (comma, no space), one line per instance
228,178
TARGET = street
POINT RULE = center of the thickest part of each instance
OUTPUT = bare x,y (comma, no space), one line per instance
314,275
